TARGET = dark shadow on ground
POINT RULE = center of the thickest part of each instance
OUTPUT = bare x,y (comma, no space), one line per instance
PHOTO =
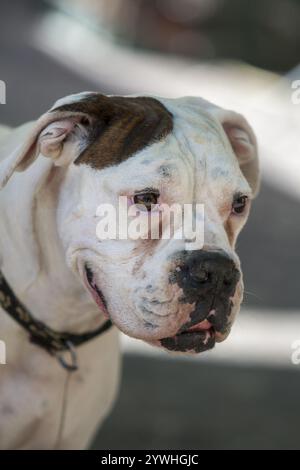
33,80
170,404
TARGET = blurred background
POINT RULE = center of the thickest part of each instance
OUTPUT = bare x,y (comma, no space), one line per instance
242,55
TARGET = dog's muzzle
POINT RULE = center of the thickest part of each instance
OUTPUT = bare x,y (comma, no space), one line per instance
208,280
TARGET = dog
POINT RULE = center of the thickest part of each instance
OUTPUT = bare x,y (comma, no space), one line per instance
89,149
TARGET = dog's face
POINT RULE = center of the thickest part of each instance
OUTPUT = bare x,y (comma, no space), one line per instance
154,153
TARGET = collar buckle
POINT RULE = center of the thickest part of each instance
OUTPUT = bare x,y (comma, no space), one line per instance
71,366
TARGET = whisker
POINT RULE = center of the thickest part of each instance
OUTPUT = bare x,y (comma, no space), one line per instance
253,294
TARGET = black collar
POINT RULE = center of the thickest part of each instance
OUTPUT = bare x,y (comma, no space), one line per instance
54,342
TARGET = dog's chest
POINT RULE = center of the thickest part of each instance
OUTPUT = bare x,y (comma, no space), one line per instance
33,389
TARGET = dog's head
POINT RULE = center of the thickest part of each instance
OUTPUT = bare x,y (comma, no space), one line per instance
153,152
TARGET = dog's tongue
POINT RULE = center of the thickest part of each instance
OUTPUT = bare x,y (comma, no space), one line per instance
202,326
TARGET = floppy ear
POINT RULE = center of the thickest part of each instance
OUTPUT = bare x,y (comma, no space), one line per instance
57,135
243,143
114,128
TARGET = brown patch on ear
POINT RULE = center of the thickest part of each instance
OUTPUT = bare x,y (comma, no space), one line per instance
119,127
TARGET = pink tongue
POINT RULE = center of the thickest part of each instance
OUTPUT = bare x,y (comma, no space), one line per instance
204,325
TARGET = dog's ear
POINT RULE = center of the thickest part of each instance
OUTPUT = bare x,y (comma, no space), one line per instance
112,128
60,134
243,143
56,135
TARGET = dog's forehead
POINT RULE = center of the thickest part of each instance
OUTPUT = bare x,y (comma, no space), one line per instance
160,133
197,141
203,142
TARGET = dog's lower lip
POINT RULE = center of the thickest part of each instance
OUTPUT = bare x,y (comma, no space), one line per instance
190,340
208,331
95,291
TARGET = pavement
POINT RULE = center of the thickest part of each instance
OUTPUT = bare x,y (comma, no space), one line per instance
166,404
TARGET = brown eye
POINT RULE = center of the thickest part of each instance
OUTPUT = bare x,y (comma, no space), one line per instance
239,204
146,199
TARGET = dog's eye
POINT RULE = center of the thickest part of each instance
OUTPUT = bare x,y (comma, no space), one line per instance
239,204
147,199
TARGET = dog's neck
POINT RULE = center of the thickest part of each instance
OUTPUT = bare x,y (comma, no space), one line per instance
47,287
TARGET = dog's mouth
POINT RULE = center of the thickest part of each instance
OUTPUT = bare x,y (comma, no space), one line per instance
195,339
198,338
94,290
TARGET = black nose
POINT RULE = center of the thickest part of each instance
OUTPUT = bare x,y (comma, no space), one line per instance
209,279
206,270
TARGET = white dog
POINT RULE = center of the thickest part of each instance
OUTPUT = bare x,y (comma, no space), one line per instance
91,149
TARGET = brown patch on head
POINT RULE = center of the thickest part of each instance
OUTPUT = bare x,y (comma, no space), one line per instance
119,127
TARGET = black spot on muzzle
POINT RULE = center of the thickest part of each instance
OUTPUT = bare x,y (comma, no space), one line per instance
189,342
208,279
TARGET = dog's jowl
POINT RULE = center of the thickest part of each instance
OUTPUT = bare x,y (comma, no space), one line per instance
65,287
